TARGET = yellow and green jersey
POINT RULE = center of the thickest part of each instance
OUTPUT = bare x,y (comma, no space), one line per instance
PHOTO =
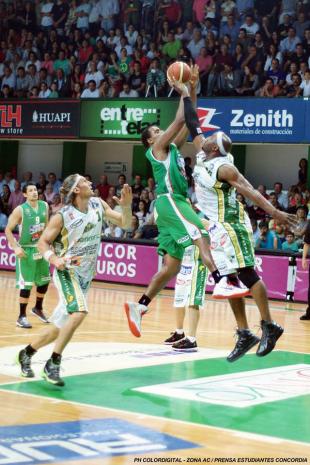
216,199
169,174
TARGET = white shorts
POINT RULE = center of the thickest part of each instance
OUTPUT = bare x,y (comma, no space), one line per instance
72,298
190,286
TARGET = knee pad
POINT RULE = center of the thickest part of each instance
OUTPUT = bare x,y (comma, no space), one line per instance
24,293
248,276
42,289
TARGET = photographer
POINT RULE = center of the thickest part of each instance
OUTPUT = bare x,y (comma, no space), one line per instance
155,79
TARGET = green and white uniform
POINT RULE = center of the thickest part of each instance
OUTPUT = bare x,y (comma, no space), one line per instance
79,239
177,222
230,228
32,269
190,285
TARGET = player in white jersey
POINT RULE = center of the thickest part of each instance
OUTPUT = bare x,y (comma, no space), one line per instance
70,243
217,180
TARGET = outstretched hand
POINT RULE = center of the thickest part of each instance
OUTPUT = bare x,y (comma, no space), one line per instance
180,87
285,218
126,197
193,82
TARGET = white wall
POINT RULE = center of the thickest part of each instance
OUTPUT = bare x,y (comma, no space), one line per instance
266,164
39,156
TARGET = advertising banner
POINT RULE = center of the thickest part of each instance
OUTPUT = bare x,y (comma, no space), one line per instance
301,283
40,119
124,118
255,120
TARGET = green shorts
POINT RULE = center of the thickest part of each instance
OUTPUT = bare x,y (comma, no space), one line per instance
177,223
32,270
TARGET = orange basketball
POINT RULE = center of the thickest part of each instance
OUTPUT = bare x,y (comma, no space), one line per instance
179,71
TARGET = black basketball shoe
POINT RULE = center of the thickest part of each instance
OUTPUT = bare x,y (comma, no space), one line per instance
24,361
51,373
245,341
185,345
175,337
271,333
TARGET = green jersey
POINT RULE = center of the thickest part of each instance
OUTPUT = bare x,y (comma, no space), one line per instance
33,223
169,174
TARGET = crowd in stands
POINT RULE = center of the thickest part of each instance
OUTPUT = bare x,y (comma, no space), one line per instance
268,234
110,48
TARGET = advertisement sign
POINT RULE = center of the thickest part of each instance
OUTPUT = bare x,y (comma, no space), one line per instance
124,118
301,283
250,120
38,119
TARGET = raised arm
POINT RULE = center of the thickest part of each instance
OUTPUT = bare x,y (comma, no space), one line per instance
231,175
123,220
14,219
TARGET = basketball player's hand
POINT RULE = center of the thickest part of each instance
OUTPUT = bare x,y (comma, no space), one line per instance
193,82
180,87
304,264
59,262
286,218
19,252
126,197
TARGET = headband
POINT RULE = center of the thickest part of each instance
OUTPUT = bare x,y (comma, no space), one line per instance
219,141
74,185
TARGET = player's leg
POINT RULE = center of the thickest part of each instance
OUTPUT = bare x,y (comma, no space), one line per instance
25,272
42,280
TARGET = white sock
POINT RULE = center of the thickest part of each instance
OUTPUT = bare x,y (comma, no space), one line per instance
179,331
191,338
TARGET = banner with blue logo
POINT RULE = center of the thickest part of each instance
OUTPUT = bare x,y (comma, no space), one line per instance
255,120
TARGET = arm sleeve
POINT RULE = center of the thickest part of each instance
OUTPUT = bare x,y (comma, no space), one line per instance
191,118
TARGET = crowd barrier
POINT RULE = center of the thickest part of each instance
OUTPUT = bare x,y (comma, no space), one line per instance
246,120
136,263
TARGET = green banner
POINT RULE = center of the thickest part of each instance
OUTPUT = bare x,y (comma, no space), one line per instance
124,118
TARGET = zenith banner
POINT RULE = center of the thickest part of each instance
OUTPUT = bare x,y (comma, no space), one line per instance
40,119
255,120
124,118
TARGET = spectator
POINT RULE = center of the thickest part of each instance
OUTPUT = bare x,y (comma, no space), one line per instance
281,196
288,44
110,198
290,245
131,16
256,231
266,238
108,9
113,231
288,7
3,218
90,91
305,251
171,48
49,193
62,63
199,10
27,177
275,73
279,236
22,81
9,180
155,79
60,12
196,44
296,201
16,197
250,26
56,183
94,75
82,13
8,79
42,182
227,9
56,205
54,92
294,89
44,91
231,28
131,232
46,15
127,92
103,187
121,182
303,172
250,82
48,64
305,85
269,89
300,228
137,80
5,197
228,81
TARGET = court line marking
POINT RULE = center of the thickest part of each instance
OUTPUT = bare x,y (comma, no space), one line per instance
252,436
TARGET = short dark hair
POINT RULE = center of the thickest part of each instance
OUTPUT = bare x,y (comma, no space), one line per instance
263,224
145,136
25,186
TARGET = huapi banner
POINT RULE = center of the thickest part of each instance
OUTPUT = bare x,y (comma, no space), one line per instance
124,118
39,119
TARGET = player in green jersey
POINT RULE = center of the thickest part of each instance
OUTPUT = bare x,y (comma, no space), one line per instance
178,224
31,269
218,180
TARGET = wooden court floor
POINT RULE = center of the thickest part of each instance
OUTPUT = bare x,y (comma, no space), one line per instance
108,374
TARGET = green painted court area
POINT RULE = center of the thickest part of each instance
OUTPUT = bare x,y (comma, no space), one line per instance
268,384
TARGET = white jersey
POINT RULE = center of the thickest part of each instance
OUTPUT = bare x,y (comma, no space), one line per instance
216,199
81,237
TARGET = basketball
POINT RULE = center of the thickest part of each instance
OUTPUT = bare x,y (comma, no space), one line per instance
179,71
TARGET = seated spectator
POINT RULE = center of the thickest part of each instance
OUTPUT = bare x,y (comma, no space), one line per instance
113,231
301,24
16,198
195,45
266,238
227,9
150,185
27,177
269,89
6,92
33,60
54,92
82,13
256,231
295,202
250,82
48,63
120,185
56,205
42,182
305,85
275,73
281,196
94,74
231,27
5,197
279,236
228,81
44,91
302,172
222,58
300,228
110,198
103,187
22,81
3,218
131,232
91,91
56,183
290,245
8,79
127,92
137,80
148,230
171,48
294,89
49,193
288,45
250,26
273,53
